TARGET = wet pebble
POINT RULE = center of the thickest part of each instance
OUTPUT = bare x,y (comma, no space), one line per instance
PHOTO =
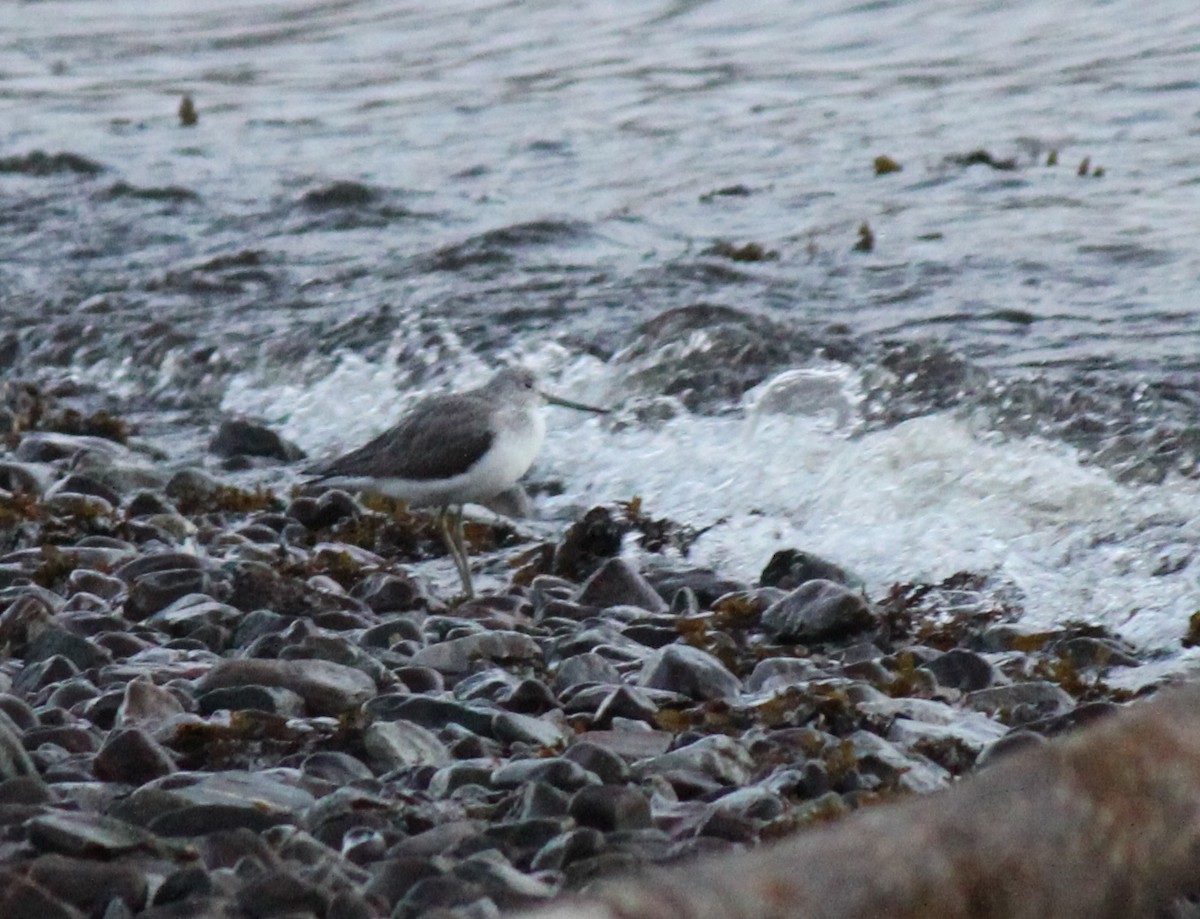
618,583
326,688
818,610
691,672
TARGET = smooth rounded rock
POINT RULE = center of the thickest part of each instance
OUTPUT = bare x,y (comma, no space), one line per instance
130,755
327,688
611,807
818,610
618,583
691,672
395,744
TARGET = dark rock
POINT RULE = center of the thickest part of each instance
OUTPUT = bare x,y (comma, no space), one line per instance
585,668
22,898
74,738
436,892
240,437
277,893
331,508
961,669
611,769
704,584
431,713
49,672
163,561
335,767
130,755
392,879
690,672
89,884
458,655
611,807
790,568
396,629
327,688
717,756
818,610
16,714
226,849
510,727
420,679
148,504
1085,651
82,653
23,790
1021,702
503,884
14,761
191,612
274,699
202,819
184,884
259,586
557,771
1012,742
84,580
145,703
622,702
155,590
87,835
386,592
617,583
395,744
568,847
781,672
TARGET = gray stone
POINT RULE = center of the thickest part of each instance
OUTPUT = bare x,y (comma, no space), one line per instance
273,699
156,590
430,712
395,744
557,771
147,704
717,756
690,672
327,688
511,727
962,669
89,884
82,653
780,673
131,756
912,772
84,834
609,808
14,761
1021,702
617,583
585,668
459,655
611,769
791,568
818,610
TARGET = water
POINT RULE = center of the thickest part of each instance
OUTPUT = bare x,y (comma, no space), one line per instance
537,180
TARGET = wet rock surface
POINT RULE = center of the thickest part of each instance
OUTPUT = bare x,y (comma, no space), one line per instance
221,703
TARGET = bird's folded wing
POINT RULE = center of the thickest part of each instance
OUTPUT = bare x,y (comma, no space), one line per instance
440,438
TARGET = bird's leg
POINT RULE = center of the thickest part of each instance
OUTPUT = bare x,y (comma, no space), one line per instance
457,547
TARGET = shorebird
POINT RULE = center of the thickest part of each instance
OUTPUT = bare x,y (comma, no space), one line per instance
454,449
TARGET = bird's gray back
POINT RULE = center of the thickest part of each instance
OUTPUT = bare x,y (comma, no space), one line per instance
441,437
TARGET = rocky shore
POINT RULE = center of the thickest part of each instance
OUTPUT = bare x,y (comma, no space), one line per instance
220,702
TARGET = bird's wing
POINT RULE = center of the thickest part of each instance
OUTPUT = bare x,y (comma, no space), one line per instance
442,436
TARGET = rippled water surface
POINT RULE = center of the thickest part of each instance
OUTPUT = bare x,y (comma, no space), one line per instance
381,195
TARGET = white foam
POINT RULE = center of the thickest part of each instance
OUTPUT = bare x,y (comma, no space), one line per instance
920,501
